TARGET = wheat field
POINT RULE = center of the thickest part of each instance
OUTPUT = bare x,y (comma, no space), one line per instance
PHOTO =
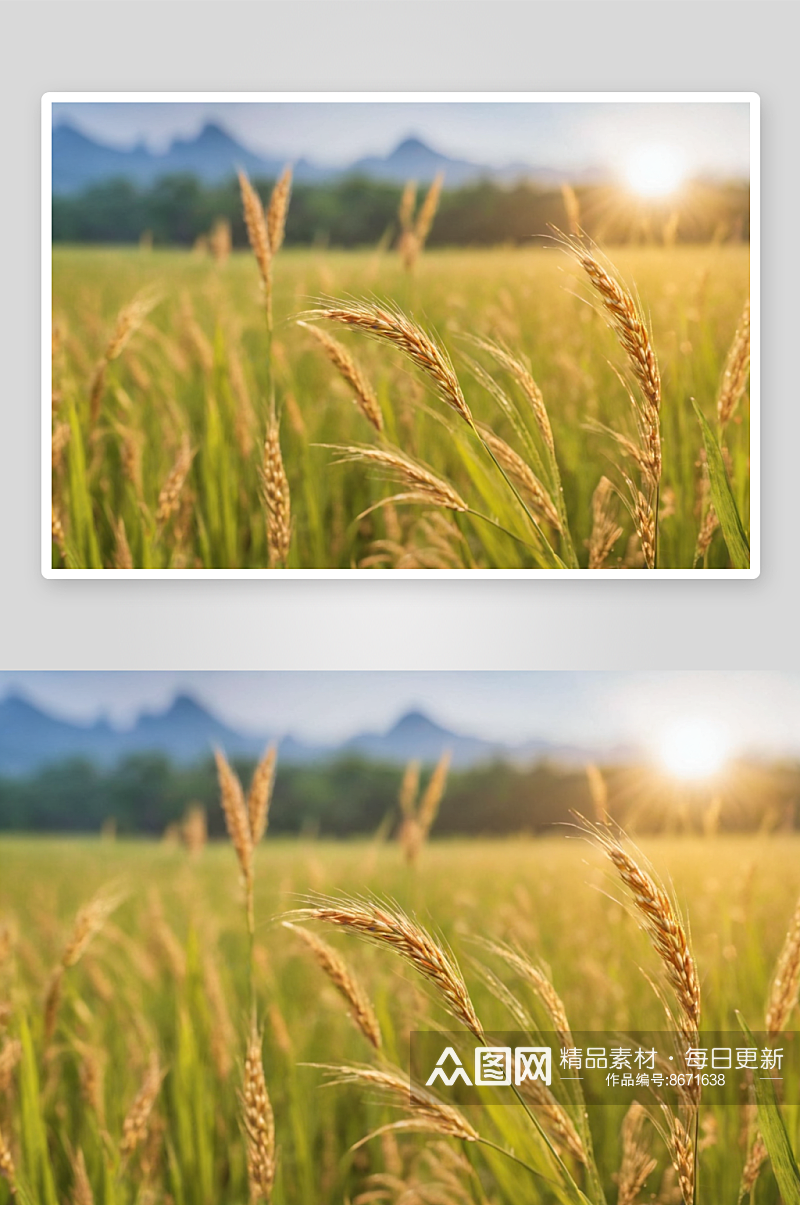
164,1031
486,409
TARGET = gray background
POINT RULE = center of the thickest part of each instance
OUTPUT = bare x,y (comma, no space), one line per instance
386,46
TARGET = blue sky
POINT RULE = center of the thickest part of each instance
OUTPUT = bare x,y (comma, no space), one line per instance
711,137
760,710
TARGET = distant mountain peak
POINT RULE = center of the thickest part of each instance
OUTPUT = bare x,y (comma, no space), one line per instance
413,144
416,721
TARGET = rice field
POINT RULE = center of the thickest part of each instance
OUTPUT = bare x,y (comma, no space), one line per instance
155,1046
514,408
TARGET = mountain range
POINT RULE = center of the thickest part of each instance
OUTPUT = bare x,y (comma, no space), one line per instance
30,739
213,156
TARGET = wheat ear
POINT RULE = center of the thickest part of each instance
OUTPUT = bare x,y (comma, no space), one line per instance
637,1162
259,796
259,1123
523,477
277,210
389,925
277,497
257,232
423,485
737,367
665,930
7,1169
605,528
169,497
134,1127
427,1113
392,326
351,372
237,822
433,794
344,981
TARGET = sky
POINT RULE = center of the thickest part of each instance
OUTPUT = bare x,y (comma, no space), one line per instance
760,711
711,137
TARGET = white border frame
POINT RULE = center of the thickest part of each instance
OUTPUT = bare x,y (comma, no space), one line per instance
750,98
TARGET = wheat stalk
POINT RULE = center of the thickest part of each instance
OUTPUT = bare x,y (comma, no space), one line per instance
344,981
389,925
341,359
392,326
259,1123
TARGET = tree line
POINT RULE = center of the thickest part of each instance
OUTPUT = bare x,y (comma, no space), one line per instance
146,793
354,212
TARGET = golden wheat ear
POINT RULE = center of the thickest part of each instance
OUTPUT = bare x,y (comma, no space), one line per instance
345,982
392,326
386,924
259,1123
662,923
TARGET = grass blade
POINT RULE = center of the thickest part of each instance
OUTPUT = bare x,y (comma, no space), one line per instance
722,497
776,1139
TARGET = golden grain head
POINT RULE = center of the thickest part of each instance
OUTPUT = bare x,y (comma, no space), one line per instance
388,925
277,498
664,928
237,820
259,1123
785,985
394,327
136,1123
259,796
423,486
351,372
277,210
257,231
343,979
427,1113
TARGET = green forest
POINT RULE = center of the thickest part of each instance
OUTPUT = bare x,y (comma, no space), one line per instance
348,797
179,210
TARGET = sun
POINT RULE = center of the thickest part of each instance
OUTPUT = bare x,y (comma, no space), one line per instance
654,171
693,749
